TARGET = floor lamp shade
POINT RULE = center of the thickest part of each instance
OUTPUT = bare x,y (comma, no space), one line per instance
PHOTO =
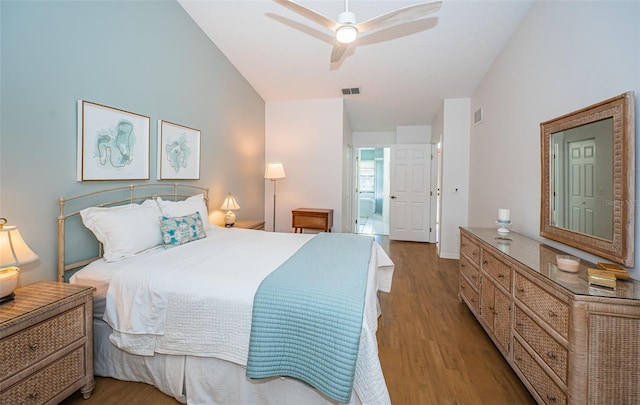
273,172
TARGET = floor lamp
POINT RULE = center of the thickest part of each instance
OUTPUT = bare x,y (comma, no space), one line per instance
273,172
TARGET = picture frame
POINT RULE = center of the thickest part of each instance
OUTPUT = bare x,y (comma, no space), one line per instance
178,152
113,144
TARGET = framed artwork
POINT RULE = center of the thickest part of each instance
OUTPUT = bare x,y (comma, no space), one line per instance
113,144
178,152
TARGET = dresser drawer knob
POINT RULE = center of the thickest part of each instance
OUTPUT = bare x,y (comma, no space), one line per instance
519,323
33,346
552,314
551,355
34,395
520,289
518,358
485,261
500,275
474,277
551,397
475,253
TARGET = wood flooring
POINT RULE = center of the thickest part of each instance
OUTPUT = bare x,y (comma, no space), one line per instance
432,349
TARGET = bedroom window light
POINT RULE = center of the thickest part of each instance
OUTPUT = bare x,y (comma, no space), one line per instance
230,204
13,251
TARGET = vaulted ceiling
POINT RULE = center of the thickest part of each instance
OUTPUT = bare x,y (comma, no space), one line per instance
404,72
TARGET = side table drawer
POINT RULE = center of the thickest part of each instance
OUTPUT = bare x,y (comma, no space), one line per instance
469,295
470,271
499,270
24,348
470,249
548,391
309,222
545,305
48,382
552,352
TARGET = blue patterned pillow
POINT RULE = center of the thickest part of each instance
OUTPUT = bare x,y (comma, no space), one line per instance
177,231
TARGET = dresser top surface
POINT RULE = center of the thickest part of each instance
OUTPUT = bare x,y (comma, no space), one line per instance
541,258
37,296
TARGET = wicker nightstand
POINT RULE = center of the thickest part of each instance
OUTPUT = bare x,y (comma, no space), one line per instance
46,344
249,224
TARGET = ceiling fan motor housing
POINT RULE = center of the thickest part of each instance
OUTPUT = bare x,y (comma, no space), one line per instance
347,17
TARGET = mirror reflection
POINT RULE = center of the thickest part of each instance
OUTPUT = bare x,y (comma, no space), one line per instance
582,178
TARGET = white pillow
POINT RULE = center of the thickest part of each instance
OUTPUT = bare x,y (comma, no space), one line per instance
124,230
195,203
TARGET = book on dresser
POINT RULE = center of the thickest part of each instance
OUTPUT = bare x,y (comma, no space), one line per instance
568,341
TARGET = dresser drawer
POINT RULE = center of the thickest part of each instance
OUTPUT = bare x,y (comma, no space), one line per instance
470,295
470,249
498,269
546,306
44,385
544,386
552,352
24,348
470,271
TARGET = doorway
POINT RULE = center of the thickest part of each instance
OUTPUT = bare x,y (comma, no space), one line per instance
372,202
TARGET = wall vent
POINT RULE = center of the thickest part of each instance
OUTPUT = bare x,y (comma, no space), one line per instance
351,90
477,116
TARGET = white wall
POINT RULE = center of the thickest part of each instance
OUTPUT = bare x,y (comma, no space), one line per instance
413,134
373,139
564,56
307,137
455,175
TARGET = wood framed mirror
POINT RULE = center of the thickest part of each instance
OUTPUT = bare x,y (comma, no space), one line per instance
588,179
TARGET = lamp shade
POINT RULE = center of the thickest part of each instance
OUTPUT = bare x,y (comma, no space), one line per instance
274,171
230,203
13,249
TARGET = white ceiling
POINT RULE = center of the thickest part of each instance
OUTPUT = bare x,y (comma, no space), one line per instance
404,72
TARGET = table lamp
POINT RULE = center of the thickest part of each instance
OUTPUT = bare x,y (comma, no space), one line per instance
13,251
229,204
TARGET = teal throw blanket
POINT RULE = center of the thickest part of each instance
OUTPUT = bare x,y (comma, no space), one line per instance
307,315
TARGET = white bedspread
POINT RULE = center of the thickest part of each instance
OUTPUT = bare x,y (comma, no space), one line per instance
197,300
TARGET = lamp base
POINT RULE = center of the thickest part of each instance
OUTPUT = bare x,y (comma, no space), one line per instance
229,219
7,298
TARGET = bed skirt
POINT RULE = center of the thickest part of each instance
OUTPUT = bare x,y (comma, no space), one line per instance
199,380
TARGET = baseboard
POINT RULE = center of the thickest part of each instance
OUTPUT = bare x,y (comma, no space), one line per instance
455,256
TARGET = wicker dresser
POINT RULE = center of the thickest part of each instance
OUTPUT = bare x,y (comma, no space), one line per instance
568,342
46,344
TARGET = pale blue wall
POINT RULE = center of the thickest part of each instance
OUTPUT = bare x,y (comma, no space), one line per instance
146,57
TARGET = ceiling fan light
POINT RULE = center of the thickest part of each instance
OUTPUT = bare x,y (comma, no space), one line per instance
346,34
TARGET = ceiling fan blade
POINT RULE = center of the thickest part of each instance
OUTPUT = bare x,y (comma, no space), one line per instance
399,16
310,14
338,52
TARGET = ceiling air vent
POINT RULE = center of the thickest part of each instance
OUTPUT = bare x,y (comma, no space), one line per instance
352,90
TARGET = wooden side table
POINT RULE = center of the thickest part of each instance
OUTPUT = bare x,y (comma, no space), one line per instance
46,343
312,218
249,224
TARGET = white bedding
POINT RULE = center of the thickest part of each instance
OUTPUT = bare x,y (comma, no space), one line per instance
197,299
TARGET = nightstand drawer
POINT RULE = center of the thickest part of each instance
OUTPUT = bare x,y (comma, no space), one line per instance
24,348
49,382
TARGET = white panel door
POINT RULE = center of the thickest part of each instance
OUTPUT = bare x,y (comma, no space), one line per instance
409,196
582,187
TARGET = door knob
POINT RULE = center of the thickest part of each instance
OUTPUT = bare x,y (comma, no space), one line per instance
393,197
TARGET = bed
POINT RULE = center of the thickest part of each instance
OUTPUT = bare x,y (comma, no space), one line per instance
196,314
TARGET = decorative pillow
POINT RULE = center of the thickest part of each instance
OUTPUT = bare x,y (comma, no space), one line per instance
192,204
124,230
177,231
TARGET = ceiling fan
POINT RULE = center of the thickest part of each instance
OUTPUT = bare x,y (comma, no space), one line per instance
346,28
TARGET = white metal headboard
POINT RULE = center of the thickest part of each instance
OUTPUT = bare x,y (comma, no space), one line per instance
112,197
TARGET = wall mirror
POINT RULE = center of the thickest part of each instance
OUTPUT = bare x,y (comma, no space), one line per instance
588,186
